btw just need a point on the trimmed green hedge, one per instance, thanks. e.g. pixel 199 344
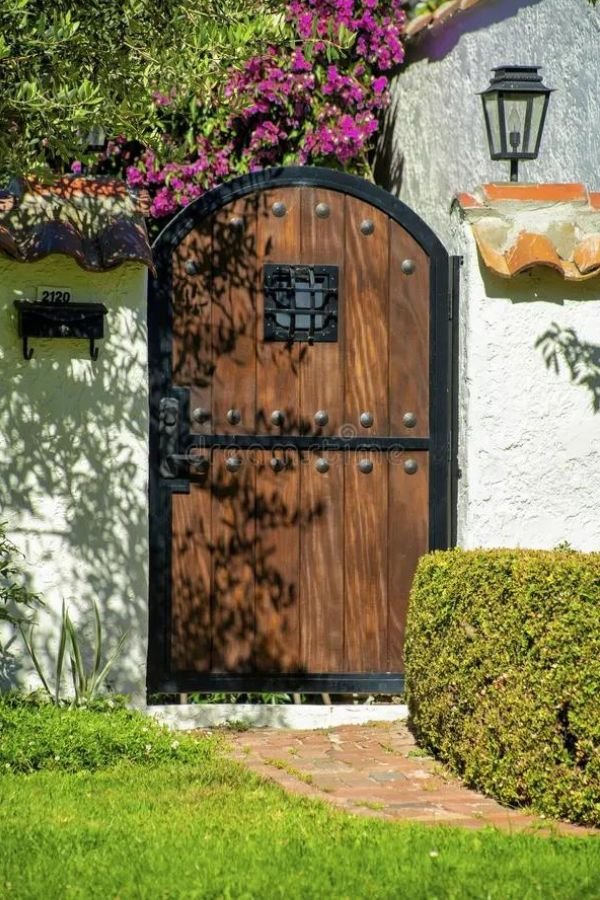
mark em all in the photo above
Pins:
pixel 503 674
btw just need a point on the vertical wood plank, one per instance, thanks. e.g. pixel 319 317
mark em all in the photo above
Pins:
pixel 191 307
pixel 277 642
pixel 233 538
pixel 277 386
pixel 366 546
pixel 365 316
pixel 322 364
pixel 191 579
pixel 409 539
pixel 321 563
pixel 234 315
pixel 409 335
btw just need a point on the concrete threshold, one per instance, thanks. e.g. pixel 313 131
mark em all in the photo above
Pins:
pixel 186 717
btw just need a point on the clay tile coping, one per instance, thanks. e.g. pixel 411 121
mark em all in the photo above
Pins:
pixel 116 231
pixel 427 21
pixel 594 199
pixel 538 193
pixel 532 247
pixel 71 187
pixel 469 201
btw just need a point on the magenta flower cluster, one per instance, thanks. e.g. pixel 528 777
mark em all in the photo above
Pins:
pixel 320 103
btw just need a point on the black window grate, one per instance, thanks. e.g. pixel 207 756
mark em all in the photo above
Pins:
pixel 301 302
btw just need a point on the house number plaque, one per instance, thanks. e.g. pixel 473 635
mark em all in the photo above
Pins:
pixel 47 294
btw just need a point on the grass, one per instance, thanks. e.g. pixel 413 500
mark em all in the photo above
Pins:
pixel 284 766
pixel 210 829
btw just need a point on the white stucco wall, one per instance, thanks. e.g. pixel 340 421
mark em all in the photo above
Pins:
pixel 529 437
pixel 74 462
pixel 434 143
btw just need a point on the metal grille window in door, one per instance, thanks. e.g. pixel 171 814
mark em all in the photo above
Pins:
pixel 301 303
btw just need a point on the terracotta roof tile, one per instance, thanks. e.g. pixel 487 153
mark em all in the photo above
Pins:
pixel 586 255
pixel 520 226
pixel 429 20
pixel 468 201
pixel 595 199
pixel 414 26
pixel 98 222
pixel 446 10
pixel 527 193
pixel 528 247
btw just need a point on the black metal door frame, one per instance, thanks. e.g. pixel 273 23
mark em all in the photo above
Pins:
pixel 441 444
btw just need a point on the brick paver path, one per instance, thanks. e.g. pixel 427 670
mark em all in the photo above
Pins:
pixel 376 770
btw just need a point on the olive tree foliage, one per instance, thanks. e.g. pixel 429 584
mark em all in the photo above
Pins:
pixel 67 67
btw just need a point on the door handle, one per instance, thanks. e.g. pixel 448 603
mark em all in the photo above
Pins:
pixel 168 427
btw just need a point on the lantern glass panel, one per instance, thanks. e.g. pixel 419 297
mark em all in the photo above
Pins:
pixel 517 119
pixel 492 117
pixel 539 105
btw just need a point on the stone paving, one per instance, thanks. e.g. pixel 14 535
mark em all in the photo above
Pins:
pixel 377 770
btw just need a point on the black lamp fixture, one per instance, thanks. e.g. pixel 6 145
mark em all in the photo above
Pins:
pixel 514 106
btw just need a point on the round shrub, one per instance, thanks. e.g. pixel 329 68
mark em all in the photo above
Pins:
pixel 503 674
pixel 37 736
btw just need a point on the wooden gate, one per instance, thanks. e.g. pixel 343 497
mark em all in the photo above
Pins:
pixel 300 434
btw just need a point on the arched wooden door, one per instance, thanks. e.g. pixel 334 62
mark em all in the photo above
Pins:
pixel 300 434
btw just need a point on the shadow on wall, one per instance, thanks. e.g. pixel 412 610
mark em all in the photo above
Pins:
pixel 388 168
pixel 73 437
pixel 557 343
pixel 581 358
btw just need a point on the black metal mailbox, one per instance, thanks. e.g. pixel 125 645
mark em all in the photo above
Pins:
pixel 70 320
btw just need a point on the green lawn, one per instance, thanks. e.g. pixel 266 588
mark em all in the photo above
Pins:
pixel 213 830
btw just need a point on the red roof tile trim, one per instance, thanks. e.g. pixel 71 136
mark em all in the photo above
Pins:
pixel 429 20
pixel 520 226
pixel 97 222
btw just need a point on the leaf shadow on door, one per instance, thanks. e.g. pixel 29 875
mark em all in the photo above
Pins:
pixel 218 350
pixel 236 588
pixel 235 603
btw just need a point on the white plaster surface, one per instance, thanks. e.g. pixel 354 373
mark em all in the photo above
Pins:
pixel 74 463
pixel 301 717
pixel 529 435
pixel 434 144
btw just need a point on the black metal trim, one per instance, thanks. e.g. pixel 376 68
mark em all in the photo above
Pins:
pixel 454 313
pixel 293 176
pixel 303 442
pixel 283 279
pixel 159 678
pixel 439 392
pixel 297 683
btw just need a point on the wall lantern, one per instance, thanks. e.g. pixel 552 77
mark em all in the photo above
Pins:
pixel 514 106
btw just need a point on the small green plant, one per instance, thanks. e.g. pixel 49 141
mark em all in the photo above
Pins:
pixel 565 547
pixel 418 753
pixel 272 699
pixel 375 805
pixel 15 597
pixel 284 766
pixel 36 735
pixel 86 684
